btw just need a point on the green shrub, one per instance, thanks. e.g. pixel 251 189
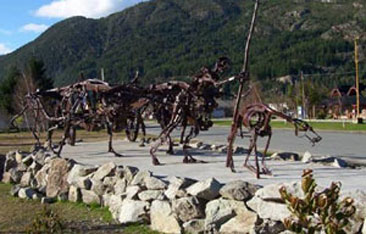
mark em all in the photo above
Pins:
pixel 47 221
pixel 317 211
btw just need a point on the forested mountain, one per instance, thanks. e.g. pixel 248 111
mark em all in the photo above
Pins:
pixel 170 38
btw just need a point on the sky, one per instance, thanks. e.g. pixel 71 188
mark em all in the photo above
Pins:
pixel 21 21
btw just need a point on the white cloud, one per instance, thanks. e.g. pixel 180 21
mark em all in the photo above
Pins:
pixel 4 49
pixel 37 28
pixel 87 8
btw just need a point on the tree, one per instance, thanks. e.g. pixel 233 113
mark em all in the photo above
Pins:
pixel 7 89
pixel 36 70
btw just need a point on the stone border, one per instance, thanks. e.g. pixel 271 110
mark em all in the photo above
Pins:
pixel 169 205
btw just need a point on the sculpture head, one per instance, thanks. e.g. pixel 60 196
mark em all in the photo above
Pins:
pixel 309 133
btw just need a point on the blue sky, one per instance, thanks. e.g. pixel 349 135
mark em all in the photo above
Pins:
pixel 21 21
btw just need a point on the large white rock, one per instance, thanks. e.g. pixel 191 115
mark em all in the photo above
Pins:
pixel 153 183
pixel 57 177
pixel 42 176
pixel 206 189
pixel 194 226
pixel 242 223
pixel 149 195
pixel 120 186
pixel 307 157
pixel 132 211
pixel 104 170
pixel 162 218
pixel 267 202
pixel 132 191
pixel 220 211
pixel 188 208
pixel 114 203
pixel 74 194
pixel 26 193
pixel 26 179
pixel 89 197
pixel 139 178
pixel 176 187
pixel 238 190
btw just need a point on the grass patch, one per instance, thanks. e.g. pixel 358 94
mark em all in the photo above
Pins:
pixel 18 215
pixel 330 126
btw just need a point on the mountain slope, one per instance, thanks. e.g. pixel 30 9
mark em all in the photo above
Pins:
pixel 164 38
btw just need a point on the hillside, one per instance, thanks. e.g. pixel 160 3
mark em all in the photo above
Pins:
pixel 165 38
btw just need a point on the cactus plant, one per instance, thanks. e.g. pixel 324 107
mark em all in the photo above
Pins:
pixel 317 211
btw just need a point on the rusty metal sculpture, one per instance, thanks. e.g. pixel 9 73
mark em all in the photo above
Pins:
pixel 256 118
pixel 188 105
pixel 85 104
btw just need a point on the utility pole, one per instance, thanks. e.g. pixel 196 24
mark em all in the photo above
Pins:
pixel 303 114
pixel 357 80
pixel 102 73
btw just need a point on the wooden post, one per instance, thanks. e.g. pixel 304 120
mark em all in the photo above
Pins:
pixel 245 70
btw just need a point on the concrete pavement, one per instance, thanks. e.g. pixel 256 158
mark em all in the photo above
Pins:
pixel 95 154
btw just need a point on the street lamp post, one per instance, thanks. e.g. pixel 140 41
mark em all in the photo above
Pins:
pixel 357 80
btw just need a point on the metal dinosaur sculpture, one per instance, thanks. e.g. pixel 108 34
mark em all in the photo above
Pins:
pixel 188 105
pixel 256 118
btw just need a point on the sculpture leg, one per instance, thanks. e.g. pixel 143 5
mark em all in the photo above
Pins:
pixel 188 158
pixel 170 145
pixel 64 137
pixel 265 170
pixel 256 161
pixel 161 139
pixel 110 147
pixel 49 137
pixel 143 129
pixel 253 142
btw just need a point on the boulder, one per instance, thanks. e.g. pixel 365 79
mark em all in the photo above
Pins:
pixel 120 186
pixel 132 211
pixel 104 170
pixel 149 195
pixel 268 204
pixel 110 181
pixel 26 193
pixel 84 183
pixel 307 157
pixel 176 187
pixel 268 226
pixel 132 191
pixel 206 189
pixel 34 167
pixel 10 161
pixel 90 197
pixel 205 147
pixel 74 194
pixel 153 183
pixel 28 160
pixel 139 178
pixel 285 156
pixel 238 190
pixel 40 156
pixel 220 211
pixel 26 179
pixel 114 203
pixel 163 219
pixel 15 190
pixel 242 223
pixel 19 156
pixel 194 226
pixel 188 208
pixel 57 177
pixel 358 218
pixel 42 176
pixel 339 163
pixel 98 187
pixel 16 175
pixel 6 178
pixel 128 173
